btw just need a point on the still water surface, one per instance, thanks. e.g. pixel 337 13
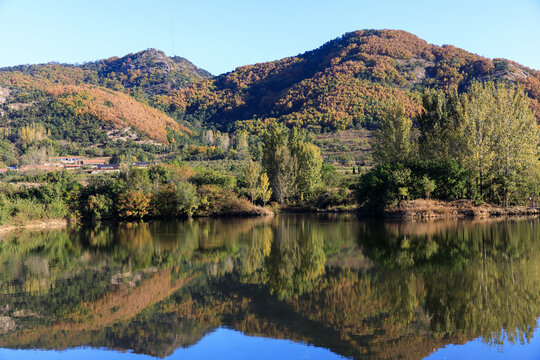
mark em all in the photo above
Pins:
pixel 289 287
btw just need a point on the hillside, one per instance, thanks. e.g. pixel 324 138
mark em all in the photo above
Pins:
pixel 74 111
pixel 345 83
pixel 148 97
pixel 82 103
pixel 149 72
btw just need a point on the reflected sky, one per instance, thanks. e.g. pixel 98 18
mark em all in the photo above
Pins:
pixel 220 344
pixel 478 350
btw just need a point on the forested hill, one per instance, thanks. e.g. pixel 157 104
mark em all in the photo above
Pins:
pixel 150 72
pixel 346 82
pixel 81 103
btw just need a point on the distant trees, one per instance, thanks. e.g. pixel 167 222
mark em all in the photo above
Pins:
pixel 242 145
pixel 32 134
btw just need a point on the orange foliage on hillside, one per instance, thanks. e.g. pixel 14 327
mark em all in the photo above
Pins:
pixel 17 79
pixel 113 107
pixel 531 85
pixel 346 82
pixel 124 303
pixel 41 76
pixel 117 109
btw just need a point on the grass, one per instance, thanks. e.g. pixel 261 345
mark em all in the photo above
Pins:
pixel 345 148
pixel 21 211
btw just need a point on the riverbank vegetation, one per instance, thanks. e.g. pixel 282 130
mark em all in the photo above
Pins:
pixel 288 170
pixel 481 144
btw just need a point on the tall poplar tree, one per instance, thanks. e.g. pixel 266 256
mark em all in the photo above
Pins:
pixel 392 141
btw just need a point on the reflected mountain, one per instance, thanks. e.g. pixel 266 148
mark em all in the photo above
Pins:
pixel 362 289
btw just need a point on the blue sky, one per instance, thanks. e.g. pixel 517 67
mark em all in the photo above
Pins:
pixel 219 35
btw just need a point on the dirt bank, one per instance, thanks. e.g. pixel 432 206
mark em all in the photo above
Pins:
pixel 35 225
pixel 434 209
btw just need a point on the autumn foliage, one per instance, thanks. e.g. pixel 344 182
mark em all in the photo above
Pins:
pixel 346 82
pixel 116 109
pixel 133 205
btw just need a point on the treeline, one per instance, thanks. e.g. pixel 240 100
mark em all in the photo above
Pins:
pixel 288 170
pixel 346 83
pixel 481 144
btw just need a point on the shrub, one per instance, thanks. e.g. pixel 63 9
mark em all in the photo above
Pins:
pixel 99 207
pixel 217 200
pixel 4 211
pixel 211 177
pixel 133 205
pixel 57 208
pixel 165 201
pixel 186 197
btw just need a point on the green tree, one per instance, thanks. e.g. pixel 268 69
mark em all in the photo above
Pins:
pixel 252 173
pixel 242 145
pixel 478 134
pixel 165 201
pixel 309 169
pixel 516 145
pixel 427 186
pixel 284 186
pixel 500 140
pixel 99 207
pixel 491 131
pixel 273 139
pixel 392 141
pixel 293 164
pixel 186 198
pixel 439 125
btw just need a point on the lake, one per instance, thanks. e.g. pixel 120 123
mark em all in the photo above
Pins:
pixel 288 287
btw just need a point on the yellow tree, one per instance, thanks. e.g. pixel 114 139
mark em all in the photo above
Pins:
pixel 265 192
pixel 252 173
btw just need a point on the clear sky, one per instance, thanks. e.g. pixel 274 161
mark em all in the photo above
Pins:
pixel 219 35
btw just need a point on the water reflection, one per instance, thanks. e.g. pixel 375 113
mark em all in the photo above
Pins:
pixel 362 289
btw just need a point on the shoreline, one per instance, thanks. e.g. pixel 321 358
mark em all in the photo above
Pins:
pixel 458 209
pixel 416 210
pixel 427 210
pixel 35 225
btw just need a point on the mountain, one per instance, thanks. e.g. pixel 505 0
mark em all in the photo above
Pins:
pixel 345 83
pixel 81 103
pixel 151 71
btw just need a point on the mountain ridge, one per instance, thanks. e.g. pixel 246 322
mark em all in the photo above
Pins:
pixel 345 83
